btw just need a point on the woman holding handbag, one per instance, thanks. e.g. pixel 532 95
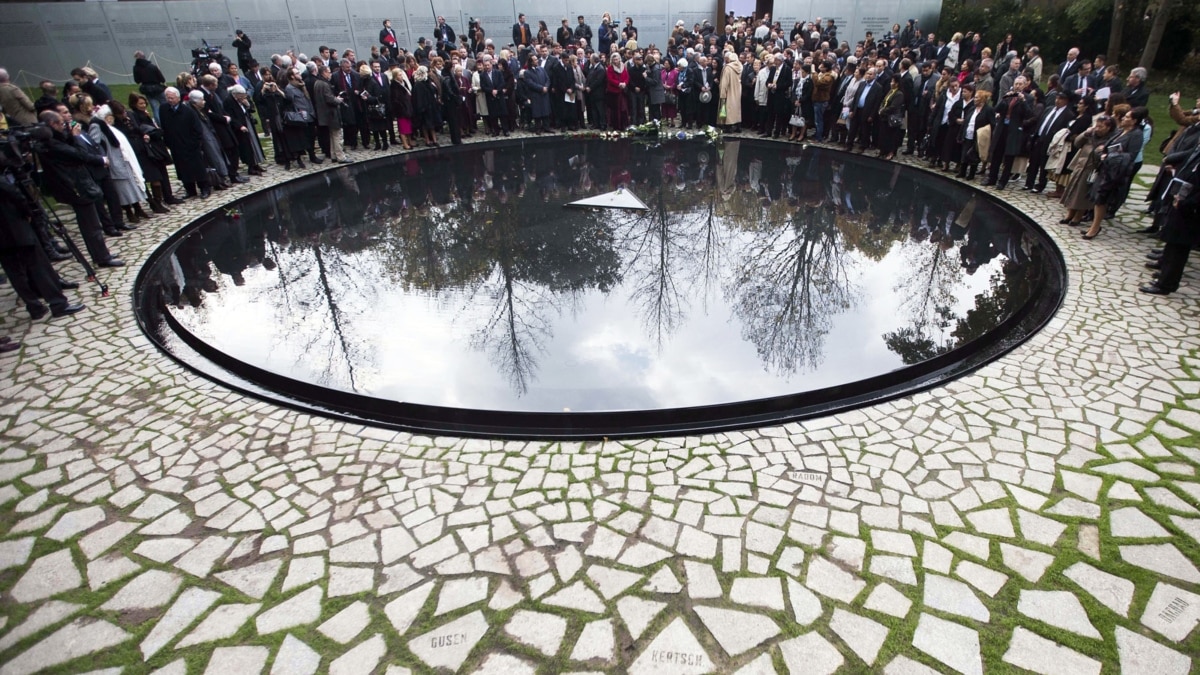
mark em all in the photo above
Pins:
pixel 298 120
pixel 670 79
pixel 730 111
pixel 140 122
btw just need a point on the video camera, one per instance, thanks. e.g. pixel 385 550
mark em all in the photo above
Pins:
pixel 205 55
pixel 17 145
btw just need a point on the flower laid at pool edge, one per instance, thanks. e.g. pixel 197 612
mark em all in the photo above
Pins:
pixel 654 129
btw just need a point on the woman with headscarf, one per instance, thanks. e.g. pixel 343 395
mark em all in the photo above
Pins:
pixel 123 164
pixel 400 94
pixel 731 92
pixel 614 94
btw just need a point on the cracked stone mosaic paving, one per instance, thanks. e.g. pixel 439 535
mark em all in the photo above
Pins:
pixel 1036 515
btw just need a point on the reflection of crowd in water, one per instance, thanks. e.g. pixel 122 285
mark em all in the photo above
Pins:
pixel 772 217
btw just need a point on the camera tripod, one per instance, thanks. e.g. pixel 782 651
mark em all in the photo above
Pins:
pixel 42 217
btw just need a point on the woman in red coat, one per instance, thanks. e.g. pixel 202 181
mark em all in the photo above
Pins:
pixel 614 94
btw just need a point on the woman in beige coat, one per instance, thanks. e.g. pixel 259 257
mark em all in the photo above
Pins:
pixel 1090 145
pixel 731 92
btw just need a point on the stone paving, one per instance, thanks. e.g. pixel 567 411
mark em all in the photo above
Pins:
pixel 1037 515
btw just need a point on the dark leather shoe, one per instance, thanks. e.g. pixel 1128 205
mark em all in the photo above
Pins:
pixel 111 262
pixel 1156 265
pixel 37 311
pixel 1156 252
pixel 9 347
pixel 55 256
pixel 241 179
pixel 68 285
pixel 127 227
pixel 68 310
pixel 1154 289
pixel 316 160
pixel 1153 229
pixel 112 232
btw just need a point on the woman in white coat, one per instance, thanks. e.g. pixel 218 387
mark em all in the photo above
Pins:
pixel 123 164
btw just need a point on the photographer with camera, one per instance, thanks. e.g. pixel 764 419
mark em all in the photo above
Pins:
pixel 28 269
pixel 67 177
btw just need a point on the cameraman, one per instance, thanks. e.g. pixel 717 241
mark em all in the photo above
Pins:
pixel 68 179
pixel 27 267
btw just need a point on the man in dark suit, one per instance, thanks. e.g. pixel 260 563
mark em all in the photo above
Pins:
pixel 1082 83
pixel 68 177
pixel 1008 135
pixel 1053 119
pixel 864 111
pixel 595 80
pixel 1070 66
pixel 703 79
pixel 443 35
pixel 522 34
pixel 346 83
pixel 779 97
pixel 637 89
pixel 387 36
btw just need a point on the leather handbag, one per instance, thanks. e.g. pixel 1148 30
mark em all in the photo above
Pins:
pixel 296 117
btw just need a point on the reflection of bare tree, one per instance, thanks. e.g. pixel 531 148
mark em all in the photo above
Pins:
pixel 517 326
pixel 533 265
pixel 672 249
pixel 927 292
pixel 317 293
pixel 654 241
pixel 790 283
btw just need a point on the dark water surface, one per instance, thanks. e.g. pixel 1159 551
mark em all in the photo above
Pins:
pixel 459 279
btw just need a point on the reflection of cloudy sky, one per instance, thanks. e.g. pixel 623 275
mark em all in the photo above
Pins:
pixel 600 355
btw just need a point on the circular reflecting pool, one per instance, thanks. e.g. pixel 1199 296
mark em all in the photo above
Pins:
pixel 457 291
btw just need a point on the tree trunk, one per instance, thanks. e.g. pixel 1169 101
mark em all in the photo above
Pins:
pixel 1161 18
pixel 1114 34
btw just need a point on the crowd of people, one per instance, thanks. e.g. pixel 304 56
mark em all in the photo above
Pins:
pixel 1000 113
